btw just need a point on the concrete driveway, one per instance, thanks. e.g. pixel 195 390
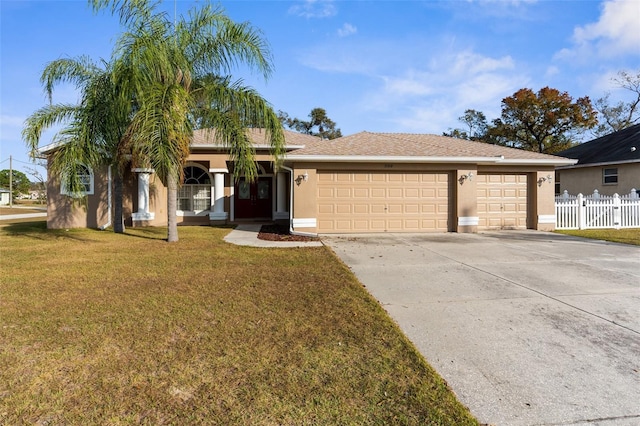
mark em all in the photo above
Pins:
pixel 528 328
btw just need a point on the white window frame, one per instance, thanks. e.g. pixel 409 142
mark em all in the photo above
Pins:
pixel 193 196
pixel 613 173
pixel 91 184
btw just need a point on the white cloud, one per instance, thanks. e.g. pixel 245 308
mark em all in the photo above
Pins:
pixel 432 99
pixel 314 9
pixel 616 33
pixel 551 71
pixel 346 30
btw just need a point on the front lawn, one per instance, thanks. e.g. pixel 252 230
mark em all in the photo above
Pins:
pixel 98 328
pixel 626 236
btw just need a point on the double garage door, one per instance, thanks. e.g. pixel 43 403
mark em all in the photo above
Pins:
pixel 372 201
pixel 383 202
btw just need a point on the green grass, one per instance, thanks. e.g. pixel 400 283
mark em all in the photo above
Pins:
pixel 98 328
pixel 626 236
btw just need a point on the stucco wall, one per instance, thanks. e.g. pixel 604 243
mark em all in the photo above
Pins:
pixel 89 212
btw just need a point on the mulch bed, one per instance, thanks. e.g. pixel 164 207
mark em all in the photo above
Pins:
pixel 276 232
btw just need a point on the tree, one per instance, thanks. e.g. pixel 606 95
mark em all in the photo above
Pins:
pixel 19 181
pixel 40 184
pixel 476 122
pixel 318 125
pixel 545 122
pixel 621 115
pixel 178 76
pixel 93 130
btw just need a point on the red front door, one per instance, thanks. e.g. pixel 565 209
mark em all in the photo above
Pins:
pixel 253 199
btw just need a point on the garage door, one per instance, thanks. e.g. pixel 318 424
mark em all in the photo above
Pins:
pixel 382 202
pixel 502 201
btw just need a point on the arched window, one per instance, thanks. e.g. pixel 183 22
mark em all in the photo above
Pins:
pixel 85 179
pixel 195 193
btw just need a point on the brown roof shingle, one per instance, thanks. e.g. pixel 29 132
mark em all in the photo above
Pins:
pixel 258 136
pixel 412 145
pixel 367 146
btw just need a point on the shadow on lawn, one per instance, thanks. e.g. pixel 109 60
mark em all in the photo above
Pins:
pixel 38 230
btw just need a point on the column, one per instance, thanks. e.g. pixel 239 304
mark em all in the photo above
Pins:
pixel 282 212
pixel 143 213
pixel 218 213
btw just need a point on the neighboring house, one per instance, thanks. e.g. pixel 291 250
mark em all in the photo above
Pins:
pixel 4 197
pixel 609 164
pixel 367 182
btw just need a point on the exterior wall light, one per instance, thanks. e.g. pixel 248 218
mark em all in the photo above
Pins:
pixel 549 178
pixel 302 178
pixel 468 176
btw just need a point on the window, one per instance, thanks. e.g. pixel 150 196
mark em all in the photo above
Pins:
pixel 84 176
pixel 610 176
pixel 195 193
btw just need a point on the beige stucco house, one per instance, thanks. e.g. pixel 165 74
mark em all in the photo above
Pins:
pixel 609 164
pixel 367 182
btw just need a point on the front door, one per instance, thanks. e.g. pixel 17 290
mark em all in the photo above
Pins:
pixel 253 199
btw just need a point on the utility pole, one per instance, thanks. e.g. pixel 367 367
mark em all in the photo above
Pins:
pixel 10 181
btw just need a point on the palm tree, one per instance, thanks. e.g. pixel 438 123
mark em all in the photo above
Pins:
pixel 93 129
pixel 178 74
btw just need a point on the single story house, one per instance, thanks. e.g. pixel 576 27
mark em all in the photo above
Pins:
pixel 609 164
pixel 363 183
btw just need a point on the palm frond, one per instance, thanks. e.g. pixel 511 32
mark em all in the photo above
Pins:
pixel 42 119
pixel 68 70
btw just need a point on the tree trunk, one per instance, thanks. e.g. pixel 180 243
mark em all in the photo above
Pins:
pixel 172 204
pixel 118 220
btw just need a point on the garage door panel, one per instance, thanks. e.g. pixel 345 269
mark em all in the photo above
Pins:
pixel 412 193
pixel 326 192
pixel 360 193
pixel 395 202
pixel 361 208
pixel 343 193
pixel 411 208
pixel 394 192
pixel 343 209
pixel 378 208
pixel 378 193
pixel 502 201
pixel 326 209
pixel 395 208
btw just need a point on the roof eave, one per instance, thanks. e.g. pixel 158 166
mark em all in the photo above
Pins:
pixel 607 163
pixel 419 159
pixel 48 148
pixel 538 161
pixel 205 146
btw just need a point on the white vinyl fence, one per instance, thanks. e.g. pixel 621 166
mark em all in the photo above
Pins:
pixel 597 211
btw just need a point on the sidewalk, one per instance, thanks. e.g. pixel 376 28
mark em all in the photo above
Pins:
pixel 247 235
pixel 22 216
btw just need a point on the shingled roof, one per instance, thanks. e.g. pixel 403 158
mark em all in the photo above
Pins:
pixel 205 138
pixel 406 147
pixel 619 147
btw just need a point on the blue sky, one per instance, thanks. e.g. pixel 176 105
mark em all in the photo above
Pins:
pixel 381 66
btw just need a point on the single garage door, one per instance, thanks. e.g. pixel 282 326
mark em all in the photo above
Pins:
pixel 502 201
pixel 350 202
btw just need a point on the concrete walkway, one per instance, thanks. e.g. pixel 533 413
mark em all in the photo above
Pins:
pixel 247 235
